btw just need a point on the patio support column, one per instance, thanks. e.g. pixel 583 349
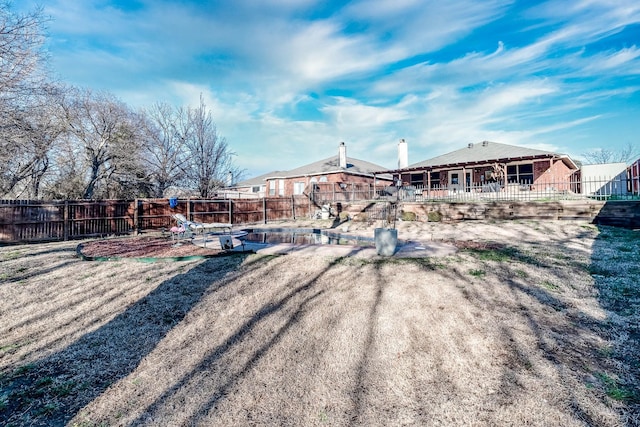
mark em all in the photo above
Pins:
pixel 464 179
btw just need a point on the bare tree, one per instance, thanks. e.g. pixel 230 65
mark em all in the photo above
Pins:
pixel 626 154
pixel 210 159
pixel 27 131
pixel 165 153
pixel 106 134
pixel 21 52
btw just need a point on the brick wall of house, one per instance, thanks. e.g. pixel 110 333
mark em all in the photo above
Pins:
pixel 333 178
pixel 556 175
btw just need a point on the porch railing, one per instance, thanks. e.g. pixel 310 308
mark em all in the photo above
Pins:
pixel 619 188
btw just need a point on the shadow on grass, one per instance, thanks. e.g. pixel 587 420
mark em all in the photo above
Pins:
pixel 615 267
pixel 359 393
pixel 610 372
pixel 21 263
pixel 51 391
pixel 291 307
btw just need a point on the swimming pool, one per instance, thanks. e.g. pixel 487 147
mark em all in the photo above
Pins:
pixel 303 236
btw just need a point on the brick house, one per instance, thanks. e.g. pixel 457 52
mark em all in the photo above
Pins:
pixel 336 174
pixel 487 164
pixel 250 188
pixel 634 174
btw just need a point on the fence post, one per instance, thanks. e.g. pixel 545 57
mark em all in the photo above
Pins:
pixel 230 211
pixel 189 209
pixel 293 207
pixel 136 215
pixel 65 220
pixel 264 209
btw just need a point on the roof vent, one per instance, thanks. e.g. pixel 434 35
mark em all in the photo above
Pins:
pixel 470 145
pixel 485 143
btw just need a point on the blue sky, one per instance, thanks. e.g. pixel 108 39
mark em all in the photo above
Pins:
pixel 287 80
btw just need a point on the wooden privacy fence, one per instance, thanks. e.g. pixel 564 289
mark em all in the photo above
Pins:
pixel 30 221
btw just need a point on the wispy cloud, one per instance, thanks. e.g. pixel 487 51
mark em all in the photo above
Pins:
pixel 285 74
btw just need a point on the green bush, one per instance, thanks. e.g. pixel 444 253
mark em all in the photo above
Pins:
pixel 434 216
pixel 408 216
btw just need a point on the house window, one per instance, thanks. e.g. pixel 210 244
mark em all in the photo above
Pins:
pixel 435 179
pixel 522 174
pixel 417 179
pixel 298 188
pixel 281 187
pixel 272 188
pixel 525 173
pixel 323 179
pixel 255 189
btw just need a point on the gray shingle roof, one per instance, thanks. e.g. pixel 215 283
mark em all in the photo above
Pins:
pixel 258 180
pixel 484 152
pixel 332 165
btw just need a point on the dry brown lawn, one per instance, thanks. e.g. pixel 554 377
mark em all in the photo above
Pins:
pixel 529 323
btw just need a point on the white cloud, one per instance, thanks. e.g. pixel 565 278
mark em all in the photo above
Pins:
pixel 373 71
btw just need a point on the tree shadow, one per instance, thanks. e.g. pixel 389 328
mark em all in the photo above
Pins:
pixel 53 389
pixel 615 268
pixel 570 338
pixel 290 307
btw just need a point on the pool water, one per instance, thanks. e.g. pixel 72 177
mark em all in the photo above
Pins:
pixel 304 237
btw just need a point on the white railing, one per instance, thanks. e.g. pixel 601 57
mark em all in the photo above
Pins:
pixel 593 188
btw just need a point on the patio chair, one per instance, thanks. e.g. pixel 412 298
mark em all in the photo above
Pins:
pixel 200 227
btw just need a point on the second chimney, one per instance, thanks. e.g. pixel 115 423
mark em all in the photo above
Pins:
pixel 403 154
pixel 342 155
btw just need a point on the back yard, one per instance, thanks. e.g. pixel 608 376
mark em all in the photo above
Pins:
pixel 528 323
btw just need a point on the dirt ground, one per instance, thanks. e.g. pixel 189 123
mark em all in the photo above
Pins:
pixel 525 323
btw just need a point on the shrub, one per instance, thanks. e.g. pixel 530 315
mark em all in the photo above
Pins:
pixel 434 216
pixel 408 216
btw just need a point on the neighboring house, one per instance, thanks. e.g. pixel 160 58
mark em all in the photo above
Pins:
pixel 340 173
pixel 485 166
pixel 253 187
pixel 634 174
pixel 604 179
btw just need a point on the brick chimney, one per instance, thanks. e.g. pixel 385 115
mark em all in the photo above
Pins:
pixel 342 155
pixel 403 154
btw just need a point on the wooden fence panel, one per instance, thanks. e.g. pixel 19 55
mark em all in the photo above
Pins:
pixel 247 211
pixel 27 220
pixel 301 207
pixel 278 209
pixel 88 218
pixel 211 211
pixel 154 214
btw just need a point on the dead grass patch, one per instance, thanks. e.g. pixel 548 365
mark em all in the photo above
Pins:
pixel 517 328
